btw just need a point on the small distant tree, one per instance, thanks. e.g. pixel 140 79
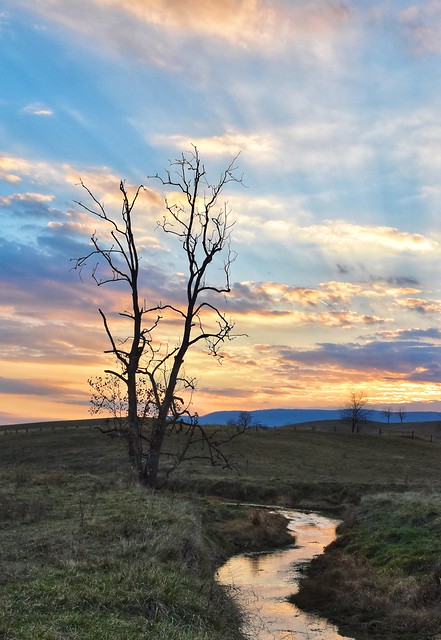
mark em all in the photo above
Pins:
pixel 387 413
pixel 401 413
pixel 244 422
pixel 151 373
pixel 355 410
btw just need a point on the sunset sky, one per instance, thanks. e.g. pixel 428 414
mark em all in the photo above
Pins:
pixel 335 108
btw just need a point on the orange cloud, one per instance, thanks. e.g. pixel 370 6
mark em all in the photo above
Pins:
pixel 421 305
pixel 241 22
pixel 230 143
pixel 157 32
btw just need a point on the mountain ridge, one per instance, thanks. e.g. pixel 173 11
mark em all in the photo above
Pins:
pixel 281 417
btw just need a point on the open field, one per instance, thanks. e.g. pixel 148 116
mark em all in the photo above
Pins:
pixel 297 467
pixel 306 468
pixel 86 555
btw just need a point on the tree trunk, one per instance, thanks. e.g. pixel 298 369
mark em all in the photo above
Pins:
pixel 134 442
pixel 151 468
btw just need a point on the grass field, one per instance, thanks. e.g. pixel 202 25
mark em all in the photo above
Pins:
pixel 85 554
pixel 295 467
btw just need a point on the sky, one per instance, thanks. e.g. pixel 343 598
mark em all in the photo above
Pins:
pixel 334 108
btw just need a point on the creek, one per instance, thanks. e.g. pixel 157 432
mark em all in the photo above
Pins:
pixel 261 583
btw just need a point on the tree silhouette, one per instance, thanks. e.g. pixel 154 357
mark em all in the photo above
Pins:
pixel 387 413
pixel 202 228
pixel 355 409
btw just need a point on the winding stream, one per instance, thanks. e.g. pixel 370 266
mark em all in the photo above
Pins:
pixel 262 582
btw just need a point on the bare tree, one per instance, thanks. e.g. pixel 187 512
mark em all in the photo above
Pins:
pixel 401 413
pixel 244 422
pixel 387 413
pixel 355 409
pixel 202 228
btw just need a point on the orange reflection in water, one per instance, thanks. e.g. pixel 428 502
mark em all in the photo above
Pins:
pixel 262 581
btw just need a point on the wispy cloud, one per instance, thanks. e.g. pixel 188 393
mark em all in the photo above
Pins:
pixel 342 236
pixel 38 109
pixel 318 147
pixel 310 31
pixel 422 25
pixel 28 387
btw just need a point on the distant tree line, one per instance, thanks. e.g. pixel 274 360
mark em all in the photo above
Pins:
pixel 356 410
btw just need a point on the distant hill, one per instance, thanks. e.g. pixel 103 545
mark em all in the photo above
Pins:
pixel 281 417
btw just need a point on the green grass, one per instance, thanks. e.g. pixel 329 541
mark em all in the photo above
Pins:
pixel 85 554
pixel 85 559
pixel 306 469
pixel 315 469
pixel 382 577
pixel 396 532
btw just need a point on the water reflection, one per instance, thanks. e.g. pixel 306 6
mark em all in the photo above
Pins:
pixel 262 582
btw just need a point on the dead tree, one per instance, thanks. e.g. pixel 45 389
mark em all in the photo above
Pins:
pixel 355 409
pixel 387 413
pixel 202 227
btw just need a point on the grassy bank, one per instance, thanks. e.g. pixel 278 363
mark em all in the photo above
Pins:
pixel 82 559
pixel 85 555
pixel 382 577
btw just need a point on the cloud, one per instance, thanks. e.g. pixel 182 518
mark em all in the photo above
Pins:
pixel 28 387
pixel 325 306
pixel 326 144
pixel 411 360
pixel 421 305
pixel 34 205
pixel 336 295
pixel 230 144
pixel 159 32
pixel 431 333
pixel 38 109
pixel 344 236
pixel 103 182
pixel 421 24
pixel 249 22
